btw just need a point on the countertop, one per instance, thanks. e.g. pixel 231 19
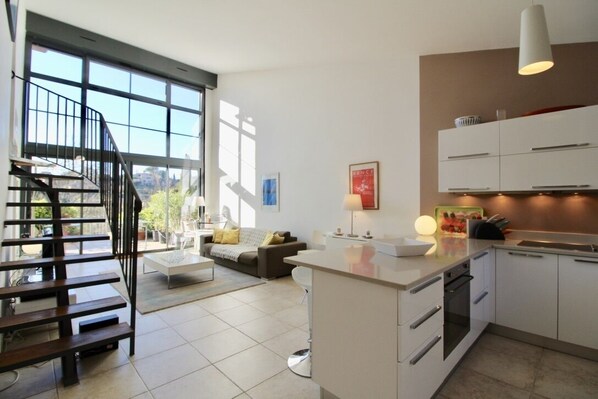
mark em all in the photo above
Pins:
pixel 363 262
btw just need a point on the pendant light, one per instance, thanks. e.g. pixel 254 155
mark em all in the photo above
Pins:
pixel 535 55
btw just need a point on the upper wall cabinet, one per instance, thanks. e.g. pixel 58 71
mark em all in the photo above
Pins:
pixel 468 159
pixel 468 142
pixel 552 151
pixel 564 130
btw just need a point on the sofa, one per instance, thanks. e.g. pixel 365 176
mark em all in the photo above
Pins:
pixel 250 255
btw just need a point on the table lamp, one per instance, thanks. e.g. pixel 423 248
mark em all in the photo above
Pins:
pixel 352 202
pixel 199 202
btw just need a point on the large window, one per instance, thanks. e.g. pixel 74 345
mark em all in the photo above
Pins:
pixel 157 123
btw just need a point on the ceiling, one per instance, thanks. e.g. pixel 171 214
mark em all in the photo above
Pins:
pixel 226 36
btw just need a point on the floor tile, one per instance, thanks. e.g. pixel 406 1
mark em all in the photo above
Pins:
pixel 271 305
pixel 252 366
pixel 288 343
pixel 219 303
pixel 155 342
pixel 119 383
pixel 148 323
pixel 472 385
pixel 199 328
pixel 167 366
pixel 182 313
pixel 286 385
pixel 223 344
pixel 565 376
pixel 264 328
pixel 295 316
pixel 207 383
pixel 103 361
pixel 250 294
pixel 516 371
pixel 509 347
pixel 240 314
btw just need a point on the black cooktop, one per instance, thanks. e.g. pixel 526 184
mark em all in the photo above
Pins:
pixel 559 245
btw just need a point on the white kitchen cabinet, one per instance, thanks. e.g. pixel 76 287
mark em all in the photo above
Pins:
pixel 527 291
pixel 481 292
pixel 578 300
pixel 469 142
pixel 468 159
pixel 469 175
pixel 574 128
pixel 357 339
pixel 554 170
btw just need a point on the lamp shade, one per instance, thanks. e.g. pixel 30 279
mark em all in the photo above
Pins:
pixel 352 202
pixel 535 54
pixel 199 201
pixel 425 225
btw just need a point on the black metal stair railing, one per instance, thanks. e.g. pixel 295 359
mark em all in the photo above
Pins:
pixel 76 137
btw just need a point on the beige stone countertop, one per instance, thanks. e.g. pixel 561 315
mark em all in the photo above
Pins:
pixel 363 262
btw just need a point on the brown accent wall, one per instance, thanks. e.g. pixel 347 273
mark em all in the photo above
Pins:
pixel 479 83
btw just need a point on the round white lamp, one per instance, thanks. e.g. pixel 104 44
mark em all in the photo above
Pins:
pixel 425 225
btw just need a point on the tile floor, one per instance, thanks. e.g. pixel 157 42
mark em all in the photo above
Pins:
pixel 236 345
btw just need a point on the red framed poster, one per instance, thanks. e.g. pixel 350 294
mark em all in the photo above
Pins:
pixel 363 180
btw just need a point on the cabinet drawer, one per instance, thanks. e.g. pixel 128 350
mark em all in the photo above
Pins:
pixel 551 131
pixel 555 170
pixel 414 333
pixel 422 372
pixel 469 142
pixel 419 299
pixel 478 272
pixel 473 175
pixel 480 311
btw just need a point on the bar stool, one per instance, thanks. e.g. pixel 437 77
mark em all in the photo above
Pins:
pixel 300 361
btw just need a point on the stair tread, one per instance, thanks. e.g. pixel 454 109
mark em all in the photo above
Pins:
pixel 43 287
pixel 58 313
pixel 63 260
pixel 51 221
pixel 21 357
pixel 49 204
pixel 44 175
pixel 45 240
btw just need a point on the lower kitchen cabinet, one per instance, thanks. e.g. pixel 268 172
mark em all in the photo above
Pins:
pixel 527 291
pixel 578 300
pixel 361 349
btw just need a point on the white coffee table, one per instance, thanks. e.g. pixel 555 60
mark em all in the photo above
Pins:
pixel 170 263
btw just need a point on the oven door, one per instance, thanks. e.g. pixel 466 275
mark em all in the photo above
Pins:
pixel 456 312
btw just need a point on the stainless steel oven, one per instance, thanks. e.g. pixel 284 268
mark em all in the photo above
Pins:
pixel 456 306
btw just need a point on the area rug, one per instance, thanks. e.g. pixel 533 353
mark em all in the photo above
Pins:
pixel 153 293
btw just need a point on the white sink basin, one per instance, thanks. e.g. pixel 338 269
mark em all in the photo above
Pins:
pixel 401 246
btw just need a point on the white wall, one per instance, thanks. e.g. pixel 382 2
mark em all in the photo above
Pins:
pixel 309 124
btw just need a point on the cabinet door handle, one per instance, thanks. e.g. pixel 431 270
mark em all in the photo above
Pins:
pixel 423 352
pixel 425 285
pixel 468 188
pixel 425 317
pixel 586 261
pixel 479 299
pixel 528 255
pixel 480 256
pixel 562 186
pixel 479 154
pixel 556 147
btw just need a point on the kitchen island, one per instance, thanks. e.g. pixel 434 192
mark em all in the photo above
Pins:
pixel 377 326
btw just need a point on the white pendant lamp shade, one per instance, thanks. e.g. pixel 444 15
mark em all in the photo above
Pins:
pixel 535 55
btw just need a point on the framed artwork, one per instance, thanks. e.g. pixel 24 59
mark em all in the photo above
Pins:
pixel 363 180
pixel 453 219
pixel 12 7
pixel 271 192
